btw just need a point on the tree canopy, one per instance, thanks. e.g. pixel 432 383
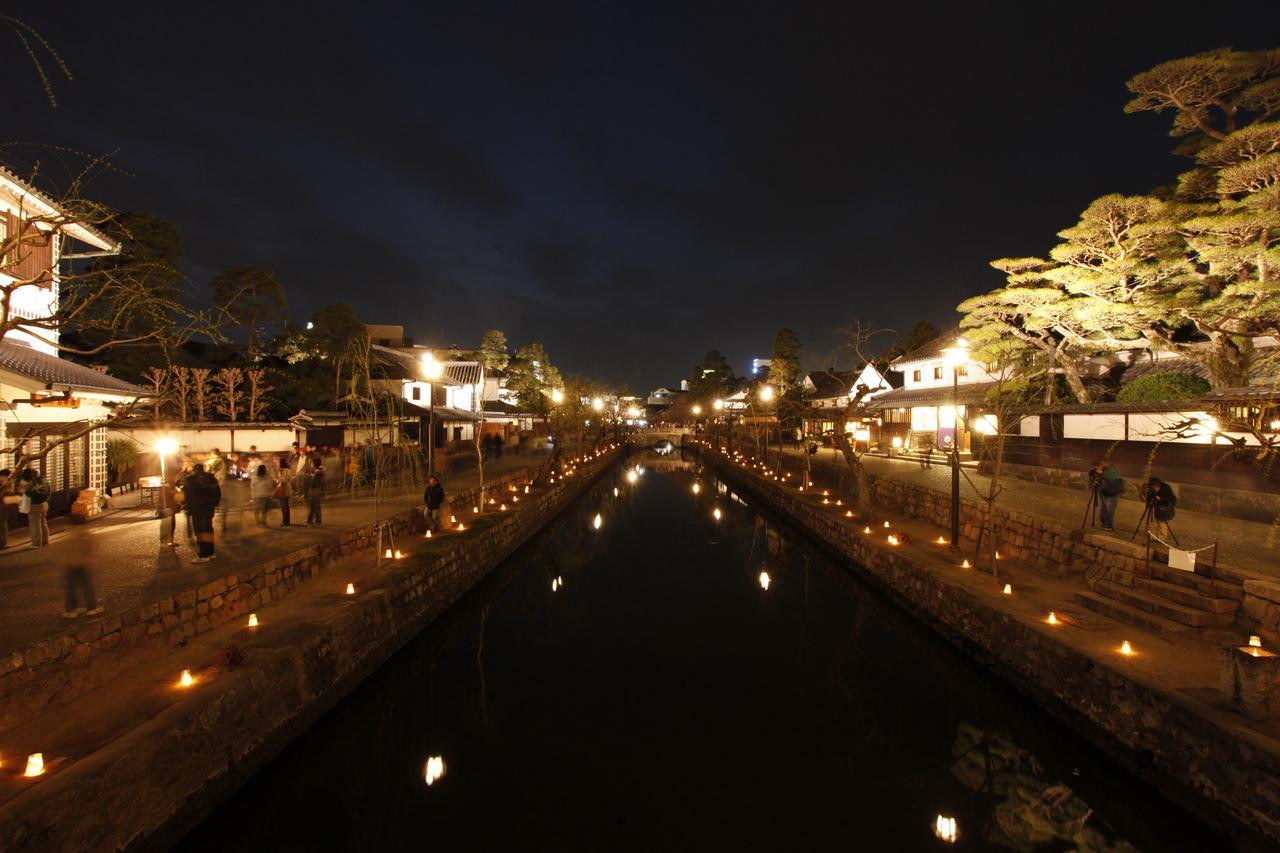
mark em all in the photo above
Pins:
pixel 1189 268
pixel 252 297
pixel 493 350
pixel 787 367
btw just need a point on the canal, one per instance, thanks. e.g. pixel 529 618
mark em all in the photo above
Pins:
pixel 641 685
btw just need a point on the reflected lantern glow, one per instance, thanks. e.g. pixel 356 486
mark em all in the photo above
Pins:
pixel 434 770
pixel 945 829
pixel 765 580
pixel 597 521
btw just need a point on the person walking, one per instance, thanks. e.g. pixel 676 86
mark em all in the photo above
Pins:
pixel 315 493
pixel 77 579
pixel 284 490
pixel 433 497
pixel 36 491
pixel 262 489
pixel 203 497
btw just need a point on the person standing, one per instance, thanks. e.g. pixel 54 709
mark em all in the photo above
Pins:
pixel 36 491
pixel 315 493
pixel 262 490
pixel 4 512
pixel 284 490
pixel 203 497
pixel 1163 504
pixel 433 497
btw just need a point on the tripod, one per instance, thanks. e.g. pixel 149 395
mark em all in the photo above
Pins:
pixel 1147 514
pixel 1091 508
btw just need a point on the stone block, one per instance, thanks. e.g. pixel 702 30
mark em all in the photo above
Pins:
pixel 1250 680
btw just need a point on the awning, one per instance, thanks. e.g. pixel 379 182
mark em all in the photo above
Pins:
pixel 969 394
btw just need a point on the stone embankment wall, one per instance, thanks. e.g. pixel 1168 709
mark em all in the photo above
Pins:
pixel 51 671
pixel 1188 755
pixel 1062 550
pixel 149 787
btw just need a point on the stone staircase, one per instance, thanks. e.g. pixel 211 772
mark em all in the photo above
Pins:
pixel 1170 603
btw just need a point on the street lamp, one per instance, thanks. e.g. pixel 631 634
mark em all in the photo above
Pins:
pixel 165 446
pixel 431 369
pixel 557 396
pixel 766 396
pixel 597 404
pixel 956 356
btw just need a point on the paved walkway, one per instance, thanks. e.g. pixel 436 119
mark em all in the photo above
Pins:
pixel 1246 545
pixel 130 567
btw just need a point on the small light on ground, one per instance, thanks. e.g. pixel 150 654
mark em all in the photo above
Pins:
pixel 764 580
pixel 427 535
pixel 597 521
pixel 1008 589
pixel 253 620
pixel 387 555
pixel 716 513
pixel 351 589
pixel 965 565
pixel 1255 641
pixel 35 764
pixel 1053 618
pixel 186 679
pixel 866 529
pixel 893 540
pixel 697 487
pixel 942 540
pixel 945 829
pixel 1125 648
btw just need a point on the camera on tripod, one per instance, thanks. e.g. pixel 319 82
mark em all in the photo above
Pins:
pixel 1147 493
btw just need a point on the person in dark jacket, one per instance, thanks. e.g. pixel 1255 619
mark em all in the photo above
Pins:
pixel 202 497
pixel 36 489
pixel 315 492
pixel 433 497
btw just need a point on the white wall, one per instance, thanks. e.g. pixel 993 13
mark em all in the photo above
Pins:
pixel 274 438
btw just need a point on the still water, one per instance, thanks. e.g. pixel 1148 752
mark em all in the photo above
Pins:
pixel 636 687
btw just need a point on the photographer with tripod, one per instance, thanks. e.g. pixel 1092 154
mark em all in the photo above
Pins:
pixel 1105 487
pixel 1161 505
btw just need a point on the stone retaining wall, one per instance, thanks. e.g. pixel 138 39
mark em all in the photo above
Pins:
pixel 51 671
pixel 1233 772
pixel 151 786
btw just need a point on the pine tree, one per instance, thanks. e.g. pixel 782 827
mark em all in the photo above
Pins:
pixel 785 371
pixel 493 350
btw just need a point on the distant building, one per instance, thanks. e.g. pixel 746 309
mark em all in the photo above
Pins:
pixel 760 366
pixel 384 335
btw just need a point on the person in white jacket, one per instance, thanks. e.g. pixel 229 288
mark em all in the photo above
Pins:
pixel 262 489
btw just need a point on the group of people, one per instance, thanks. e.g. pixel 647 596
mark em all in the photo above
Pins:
pixel 32 498
pixel 1108 486
pixel 202 488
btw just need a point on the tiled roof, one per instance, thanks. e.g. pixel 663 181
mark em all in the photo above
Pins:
pixel 407 364
pixel 51 370
pixel 968 394
pixel 933 349
pixel 831 383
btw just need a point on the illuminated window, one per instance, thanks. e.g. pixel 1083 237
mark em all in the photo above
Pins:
pixel 915 376
pixel 962 370
pixel 937 372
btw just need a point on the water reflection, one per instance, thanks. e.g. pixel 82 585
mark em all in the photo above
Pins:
pixel 667 681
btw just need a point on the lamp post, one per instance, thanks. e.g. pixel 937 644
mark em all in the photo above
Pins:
pixel 766 396
pixel 718 405
pixel 165 446
pixel 431 369
pixel 696 410
pixel 956 356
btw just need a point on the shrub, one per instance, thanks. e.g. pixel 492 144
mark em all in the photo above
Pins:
pixel 1158 387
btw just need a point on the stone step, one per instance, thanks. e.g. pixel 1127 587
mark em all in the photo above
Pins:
pixel 1132 616
pixel 1187 596
pixel 1136 598
pixel 1219 588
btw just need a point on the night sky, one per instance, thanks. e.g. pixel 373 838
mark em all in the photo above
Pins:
pixel 631 185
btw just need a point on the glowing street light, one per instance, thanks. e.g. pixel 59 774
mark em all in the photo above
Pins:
pixel 697 410
pixel 431 370
pixel 766 393
pixel 718 405
pixel 597 404
pixel 557 396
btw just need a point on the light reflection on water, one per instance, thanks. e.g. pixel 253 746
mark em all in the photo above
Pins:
pixel 667 680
